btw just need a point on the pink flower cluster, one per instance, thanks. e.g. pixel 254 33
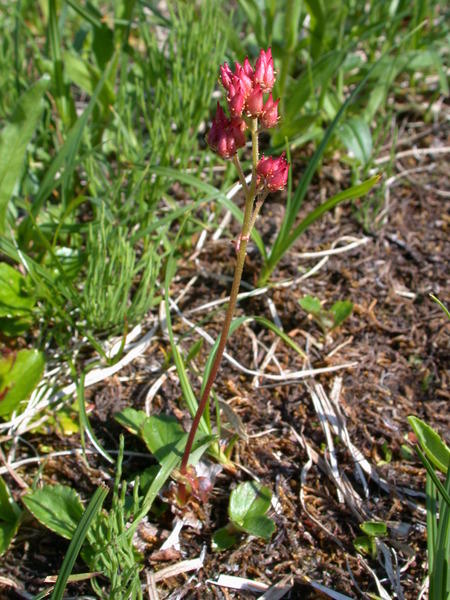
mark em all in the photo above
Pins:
pixel 245 88
pixel 272 172
pixel 226 135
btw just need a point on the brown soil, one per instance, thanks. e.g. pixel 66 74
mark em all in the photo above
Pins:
pixel 398 338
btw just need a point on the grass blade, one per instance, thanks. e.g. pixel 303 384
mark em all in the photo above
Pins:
pixel 439 577
pixel 61 93
pixel 14 140
pixel 90 513
pixel 85 424
pixel 68 152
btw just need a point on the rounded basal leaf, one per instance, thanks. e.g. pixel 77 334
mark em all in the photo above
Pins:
pixel 223 539
pixel 260 526
pixel 249 499
pixel 19 375
pixel 57 507
pixel 161 434
pixel 131 419
pixel 431 443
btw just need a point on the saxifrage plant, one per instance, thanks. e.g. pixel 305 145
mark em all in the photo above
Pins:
pixel 251 109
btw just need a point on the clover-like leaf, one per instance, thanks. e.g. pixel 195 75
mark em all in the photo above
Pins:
pixel 57 507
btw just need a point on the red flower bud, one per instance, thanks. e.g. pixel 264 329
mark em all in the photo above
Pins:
pixel 254 102
pixel 236 97
pixel 272 172
pixel 248 68
pixel 245 79
pixel 226 75
pixel 264 72
pixel 226 135
pixel 269 116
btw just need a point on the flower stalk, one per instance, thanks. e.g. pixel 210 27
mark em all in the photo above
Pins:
pixel 245 88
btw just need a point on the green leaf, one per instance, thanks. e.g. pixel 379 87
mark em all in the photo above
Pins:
pixel 169 463
pixel 161 433
pixel 7 532
pixel 365 545
pixel 14 139
pixel 16 302
pixel 356 136
pixel 19 375
pixel 432 474
pixel 89 515
pixel 311 304
pixel 341 310
pixel 310 80
pixel 57 507
pixel 374 528
pixel 248 499
pixel 9 510
pixel 253 13
pixel 131 419
pixel 407 453
pixel 260 526
pixel 439 567
pixel 223 539
pixel 10 514
pixel 442 305
pixel 146 478
pixel 433 446
pixel 87 77
pixel 14 296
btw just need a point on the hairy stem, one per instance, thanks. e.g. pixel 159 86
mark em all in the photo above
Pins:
pixel 240 260
pixel 237 164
